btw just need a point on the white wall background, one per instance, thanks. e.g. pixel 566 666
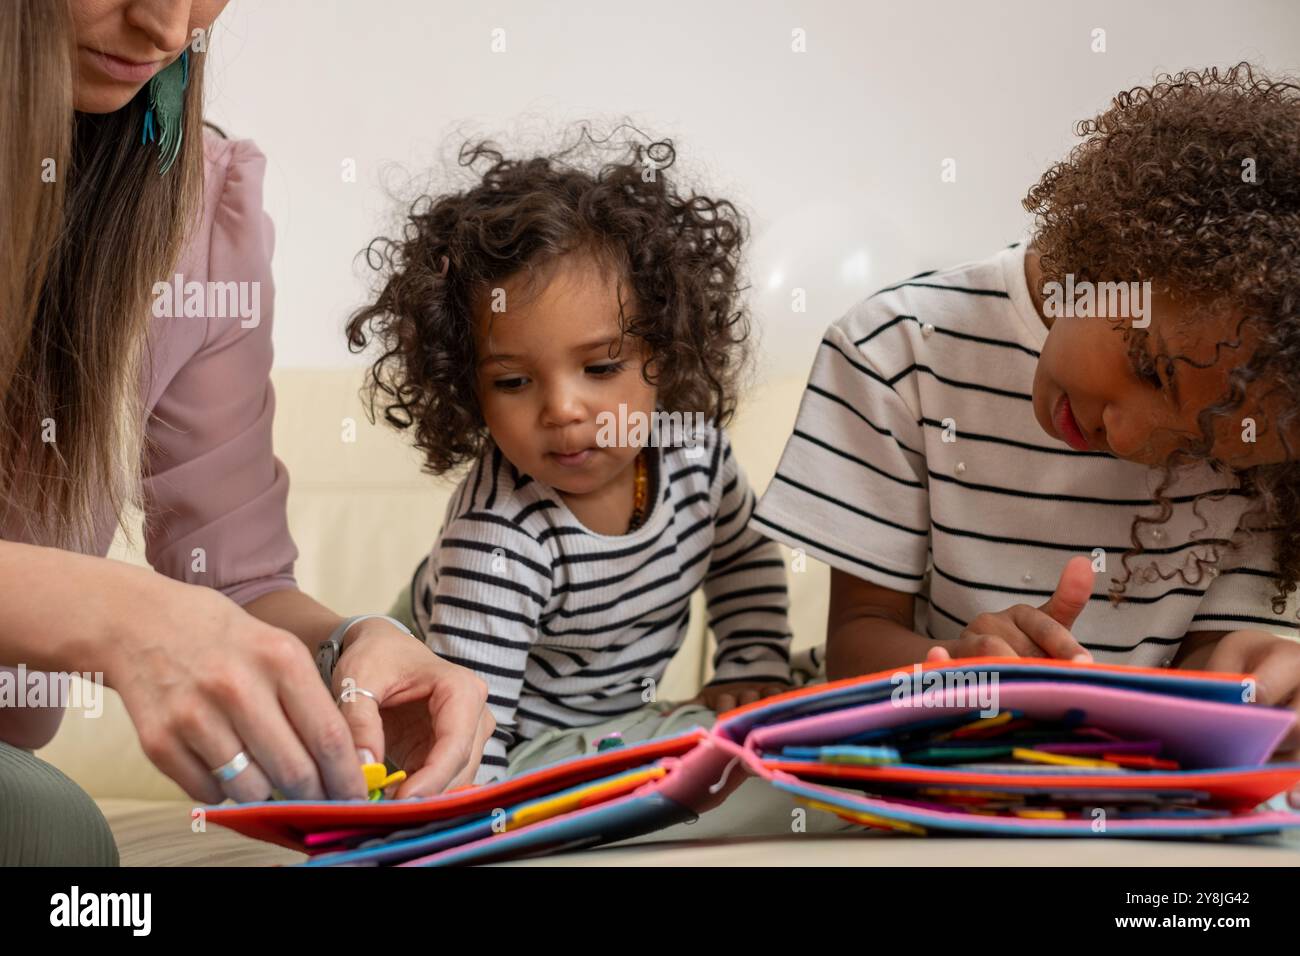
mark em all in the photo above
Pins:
pixel 834 153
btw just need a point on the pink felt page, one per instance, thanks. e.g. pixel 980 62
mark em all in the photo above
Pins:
pixel 708 774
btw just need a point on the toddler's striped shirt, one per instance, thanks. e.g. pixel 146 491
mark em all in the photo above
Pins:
pixel 569 627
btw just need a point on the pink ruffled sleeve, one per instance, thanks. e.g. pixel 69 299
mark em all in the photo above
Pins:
pixel 215 491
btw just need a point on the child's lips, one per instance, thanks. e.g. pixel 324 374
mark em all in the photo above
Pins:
pixel 573 459
pixel 1067 426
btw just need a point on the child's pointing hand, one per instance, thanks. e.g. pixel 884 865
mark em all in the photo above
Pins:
pixel 1024 631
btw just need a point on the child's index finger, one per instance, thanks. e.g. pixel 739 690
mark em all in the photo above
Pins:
pixel 1072 592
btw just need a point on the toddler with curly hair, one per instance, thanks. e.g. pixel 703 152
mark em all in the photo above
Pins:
pixel 573 332
pixel 1084 446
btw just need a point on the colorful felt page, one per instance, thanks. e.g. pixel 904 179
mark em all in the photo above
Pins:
pixel 529 815
pixel 1199 718
pixel 919 821
pixel 641 812
pixel 837 695
pixel 1242 788
pixel 288 822
pixel 1196 732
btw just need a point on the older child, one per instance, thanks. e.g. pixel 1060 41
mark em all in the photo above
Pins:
pixel 966 432
pixel 540 325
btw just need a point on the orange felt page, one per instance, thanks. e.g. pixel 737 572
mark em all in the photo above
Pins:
pixel 286 822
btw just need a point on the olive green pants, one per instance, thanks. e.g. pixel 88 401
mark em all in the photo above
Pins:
pixel 46 819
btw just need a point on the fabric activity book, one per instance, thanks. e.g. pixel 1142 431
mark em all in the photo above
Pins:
pixel 982 746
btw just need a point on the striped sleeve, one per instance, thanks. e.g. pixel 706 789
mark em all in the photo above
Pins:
pixel 851 488
pixel 478 603
pixel 1241 595
pixel 745 587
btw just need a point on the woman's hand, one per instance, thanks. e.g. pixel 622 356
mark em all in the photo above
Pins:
pixel 203 680
pixel 1025 631
pixel 430 717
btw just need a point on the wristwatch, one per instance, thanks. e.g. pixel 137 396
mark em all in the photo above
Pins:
pixel 330 650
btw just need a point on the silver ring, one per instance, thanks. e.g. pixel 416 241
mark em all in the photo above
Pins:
pixel 233 768
pixel 356 690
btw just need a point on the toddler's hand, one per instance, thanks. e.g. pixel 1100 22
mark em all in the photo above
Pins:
pixel 1024 631
pixel 722 697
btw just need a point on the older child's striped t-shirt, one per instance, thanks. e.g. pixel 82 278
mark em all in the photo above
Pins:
pixel 917 464
pixel 569 627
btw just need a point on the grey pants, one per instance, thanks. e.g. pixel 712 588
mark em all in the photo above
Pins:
pixel 46 819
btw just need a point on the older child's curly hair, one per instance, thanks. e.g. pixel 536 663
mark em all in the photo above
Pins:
pixel 1194 184
pixel 679 255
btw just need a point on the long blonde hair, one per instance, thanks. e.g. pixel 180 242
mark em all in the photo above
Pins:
pixel 87 226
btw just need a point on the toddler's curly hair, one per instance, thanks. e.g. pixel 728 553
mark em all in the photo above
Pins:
pixel 1194 183
pixel 678 254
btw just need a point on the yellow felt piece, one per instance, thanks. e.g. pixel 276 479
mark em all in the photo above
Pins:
pixel 378 777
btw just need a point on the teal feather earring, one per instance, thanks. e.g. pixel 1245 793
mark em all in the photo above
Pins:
pixel 162 121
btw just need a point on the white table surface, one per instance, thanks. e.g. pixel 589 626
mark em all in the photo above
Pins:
pixel 872 849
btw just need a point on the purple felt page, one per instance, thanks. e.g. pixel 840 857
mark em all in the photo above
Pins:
pixel 1197 733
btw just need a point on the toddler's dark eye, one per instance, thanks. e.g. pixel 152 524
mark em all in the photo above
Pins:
pixel 509 384
pixel 610 368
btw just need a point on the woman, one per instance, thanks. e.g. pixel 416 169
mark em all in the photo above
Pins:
pixel 113 397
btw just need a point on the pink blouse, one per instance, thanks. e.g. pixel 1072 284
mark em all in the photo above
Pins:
pixel 211 479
